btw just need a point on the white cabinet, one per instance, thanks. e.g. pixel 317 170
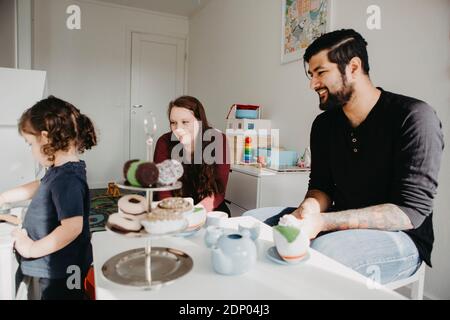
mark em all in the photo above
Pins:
pixel 250 188
pixel 242 189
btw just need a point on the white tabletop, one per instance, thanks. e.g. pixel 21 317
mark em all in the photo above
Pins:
pixel 317 278
pixel 6 241
pixel 8 263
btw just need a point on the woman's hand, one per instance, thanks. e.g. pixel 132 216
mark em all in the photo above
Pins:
pixel 183 136
pixel 22 242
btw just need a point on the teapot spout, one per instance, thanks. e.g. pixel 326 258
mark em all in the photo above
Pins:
pixel 221 262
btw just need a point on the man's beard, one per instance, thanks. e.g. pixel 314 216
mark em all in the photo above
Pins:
pixel 338 99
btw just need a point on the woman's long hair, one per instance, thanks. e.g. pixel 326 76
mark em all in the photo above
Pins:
pixel 199 180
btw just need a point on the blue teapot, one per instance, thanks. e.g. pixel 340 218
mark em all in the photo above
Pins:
pixel 234 254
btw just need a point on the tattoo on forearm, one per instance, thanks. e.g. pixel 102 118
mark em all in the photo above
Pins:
pixel 387 217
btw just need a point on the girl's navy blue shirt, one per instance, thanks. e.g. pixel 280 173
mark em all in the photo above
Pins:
pixel 63 193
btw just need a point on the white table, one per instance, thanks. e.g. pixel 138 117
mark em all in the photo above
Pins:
pixel 317 278
pixel 8 262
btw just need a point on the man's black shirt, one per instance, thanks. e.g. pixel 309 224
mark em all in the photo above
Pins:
pixel 393 156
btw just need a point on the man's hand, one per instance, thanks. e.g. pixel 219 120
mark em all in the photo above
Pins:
pixel 312 221
pixel 304 210
pixel 22 242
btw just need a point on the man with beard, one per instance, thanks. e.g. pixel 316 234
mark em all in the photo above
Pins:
pixel 375 162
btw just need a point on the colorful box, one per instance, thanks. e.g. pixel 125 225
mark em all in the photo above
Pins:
pixel 283 157
pixel 248 124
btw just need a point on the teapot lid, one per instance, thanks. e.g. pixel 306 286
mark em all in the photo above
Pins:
pixel 233 242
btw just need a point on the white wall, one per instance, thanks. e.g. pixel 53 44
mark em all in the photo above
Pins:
pixel 15 34
pixel 8 33
pixel 24 34
pixel 90 68
pixel 235 58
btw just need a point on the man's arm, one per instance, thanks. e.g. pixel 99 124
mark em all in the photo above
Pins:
pixel 388 217
pixel 321 184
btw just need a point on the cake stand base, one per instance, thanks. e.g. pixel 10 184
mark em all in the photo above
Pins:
pixel 131 268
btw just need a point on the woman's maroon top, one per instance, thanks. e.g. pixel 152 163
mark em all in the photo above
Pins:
pixel 162 152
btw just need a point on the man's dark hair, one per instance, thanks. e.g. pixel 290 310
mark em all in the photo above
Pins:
pixel 343 45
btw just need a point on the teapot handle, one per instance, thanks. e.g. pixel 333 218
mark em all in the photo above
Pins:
pixel 246 233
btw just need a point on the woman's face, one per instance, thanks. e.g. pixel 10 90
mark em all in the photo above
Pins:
pixel 184 125
pixel 36 143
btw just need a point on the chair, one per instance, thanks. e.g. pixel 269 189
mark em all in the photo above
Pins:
pixel 263 213
pixel 89 284
pixel 417 280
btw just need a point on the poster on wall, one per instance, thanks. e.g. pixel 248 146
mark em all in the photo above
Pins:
pixel 303 21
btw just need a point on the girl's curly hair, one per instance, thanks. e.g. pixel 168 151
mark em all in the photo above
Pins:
pixel 63 122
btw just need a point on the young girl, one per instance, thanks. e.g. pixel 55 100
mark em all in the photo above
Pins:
pixel 54 243
pixel 205 183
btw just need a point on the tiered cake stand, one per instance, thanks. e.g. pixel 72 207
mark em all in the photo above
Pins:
pixel 147 268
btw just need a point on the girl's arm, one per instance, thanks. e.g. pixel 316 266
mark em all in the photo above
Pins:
pixel 21 193
pixel 59 238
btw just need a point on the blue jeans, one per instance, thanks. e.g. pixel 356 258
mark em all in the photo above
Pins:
pixel 383 256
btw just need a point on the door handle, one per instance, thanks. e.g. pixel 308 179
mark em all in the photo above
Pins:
pixel 135 107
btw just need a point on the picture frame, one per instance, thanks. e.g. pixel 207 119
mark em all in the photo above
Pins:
pixel 303 21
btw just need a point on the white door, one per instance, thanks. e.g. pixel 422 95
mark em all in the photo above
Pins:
pixel 157 77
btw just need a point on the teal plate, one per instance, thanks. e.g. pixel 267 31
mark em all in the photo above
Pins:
pixel 272 254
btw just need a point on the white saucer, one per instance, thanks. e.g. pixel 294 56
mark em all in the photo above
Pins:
pixel 187 234
pixel 272 254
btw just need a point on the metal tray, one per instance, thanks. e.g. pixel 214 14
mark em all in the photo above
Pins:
pixel 130 268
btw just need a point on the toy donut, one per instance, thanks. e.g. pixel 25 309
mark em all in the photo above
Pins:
pixel 132 204
pixel 170 171
pixel 178 204
pixel 141 173
pixel 123 224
